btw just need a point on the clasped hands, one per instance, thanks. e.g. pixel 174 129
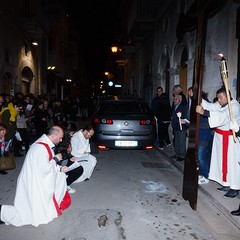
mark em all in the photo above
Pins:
pixel 200 109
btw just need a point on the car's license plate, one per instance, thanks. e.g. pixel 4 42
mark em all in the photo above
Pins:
pixel 126 143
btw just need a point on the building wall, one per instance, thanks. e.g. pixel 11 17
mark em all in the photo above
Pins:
pixel 23 67
pixel 16 53
pixel 162 47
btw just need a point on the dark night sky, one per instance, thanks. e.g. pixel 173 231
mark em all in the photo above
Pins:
pixel 98 23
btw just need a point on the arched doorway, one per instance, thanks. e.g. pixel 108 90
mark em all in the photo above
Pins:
pixel 27 77
pixel 7 80
pixel 183 71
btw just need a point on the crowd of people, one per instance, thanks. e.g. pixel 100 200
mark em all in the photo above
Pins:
pixel 57 155
pixel 218 150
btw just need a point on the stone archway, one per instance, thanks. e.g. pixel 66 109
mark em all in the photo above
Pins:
pixel 27 77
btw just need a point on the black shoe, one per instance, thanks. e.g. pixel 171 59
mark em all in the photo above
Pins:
pixel 174 156
pixel 223 189
pixel 18 155
pixel 179 159
pixel 236 212
pixel 1 222
pixel 3 172
pixel 231 193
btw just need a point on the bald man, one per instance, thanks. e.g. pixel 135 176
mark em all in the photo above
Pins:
pixel 41 192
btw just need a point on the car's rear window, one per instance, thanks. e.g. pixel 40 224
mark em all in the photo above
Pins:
pixel 123 107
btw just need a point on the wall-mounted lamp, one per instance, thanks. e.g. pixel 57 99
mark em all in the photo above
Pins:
pixel 68 80
pixel 34 43
pixel 51 67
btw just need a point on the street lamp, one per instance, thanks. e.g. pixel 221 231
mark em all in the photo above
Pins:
pixel 114 49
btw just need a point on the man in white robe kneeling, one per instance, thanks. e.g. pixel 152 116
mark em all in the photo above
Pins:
pixel 41 193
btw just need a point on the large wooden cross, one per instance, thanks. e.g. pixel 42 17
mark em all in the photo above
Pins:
pixel 198 14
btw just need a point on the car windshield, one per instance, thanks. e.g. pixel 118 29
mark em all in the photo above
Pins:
pixel 123 108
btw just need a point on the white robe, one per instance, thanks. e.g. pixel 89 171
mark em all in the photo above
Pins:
pixel 38 181
pixel 81 145
pixel 220 119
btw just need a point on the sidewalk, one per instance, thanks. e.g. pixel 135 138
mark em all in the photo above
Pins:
pixel 225 205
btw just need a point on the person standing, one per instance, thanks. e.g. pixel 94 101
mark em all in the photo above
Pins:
pixel 189 101
pixel 59 117
pixel 9 118
pixel 179 126
pixel 40 119
pixel 41 193
pixel 224 166
pixel 205 138
pixel 2 102
pixel 49 113
pixel 162 111
pixel 177 90
pixel 80 145
pixel 22 129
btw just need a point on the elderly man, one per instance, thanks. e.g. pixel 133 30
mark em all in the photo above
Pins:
pixel 180 125
pixel 41 192
pixel 177 90
pixel 225 160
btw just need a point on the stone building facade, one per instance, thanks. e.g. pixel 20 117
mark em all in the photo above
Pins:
pixel 28 68
pixel 165 38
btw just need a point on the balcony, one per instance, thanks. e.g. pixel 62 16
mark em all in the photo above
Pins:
pixel 141 19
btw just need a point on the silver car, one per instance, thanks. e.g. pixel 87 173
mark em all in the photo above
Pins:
pixel 124 123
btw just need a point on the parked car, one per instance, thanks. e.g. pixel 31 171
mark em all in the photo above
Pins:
pixel 124 123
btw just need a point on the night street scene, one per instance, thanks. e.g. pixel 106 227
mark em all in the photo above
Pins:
pixel 120 120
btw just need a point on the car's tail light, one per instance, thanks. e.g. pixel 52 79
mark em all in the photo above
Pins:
pixel 102 147
pixel 103 121
pixel 147 122
pixel 149 147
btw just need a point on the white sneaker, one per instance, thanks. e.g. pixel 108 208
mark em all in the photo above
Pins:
pixel 202 180
pixel 169 146
pixel 71 190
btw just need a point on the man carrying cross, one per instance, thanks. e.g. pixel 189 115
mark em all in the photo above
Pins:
pixel 225 160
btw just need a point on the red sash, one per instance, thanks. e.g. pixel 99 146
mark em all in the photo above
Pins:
pixel 66 202
pixel 225 135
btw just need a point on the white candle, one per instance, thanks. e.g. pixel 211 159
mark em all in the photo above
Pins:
pixel 179 114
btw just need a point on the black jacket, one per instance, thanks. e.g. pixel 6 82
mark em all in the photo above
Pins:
pixel 163 111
